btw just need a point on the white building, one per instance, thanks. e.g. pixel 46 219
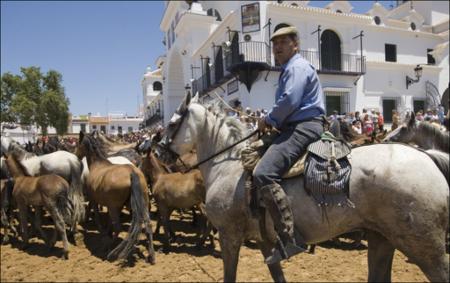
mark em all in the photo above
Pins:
pixel 121 124
pixel 79 123
pixel 152 91
pixel 210 43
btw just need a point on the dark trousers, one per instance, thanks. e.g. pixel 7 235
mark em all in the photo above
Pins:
pixel 286 149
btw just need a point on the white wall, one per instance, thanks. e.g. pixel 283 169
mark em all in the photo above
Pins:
pixel 124 123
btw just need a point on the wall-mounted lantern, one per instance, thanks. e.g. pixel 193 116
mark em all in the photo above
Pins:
pixel 418 72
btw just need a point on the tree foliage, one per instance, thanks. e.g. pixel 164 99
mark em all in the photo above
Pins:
pixel 33 97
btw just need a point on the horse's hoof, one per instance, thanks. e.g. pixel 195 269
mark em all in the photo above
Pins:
pixel 5 240
pixel 65 255
pixel 199 246
pixel 151 259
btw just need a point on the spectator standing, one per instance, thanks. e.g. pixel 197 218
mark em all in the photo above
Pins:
pixel 380 121
pixel 441 113
pixel 395 120
pixel 356 126
pixel 367 125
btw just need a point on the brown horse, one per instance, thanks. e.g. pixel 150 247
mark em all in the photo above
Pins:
pixel 50 191
pixel 111 146
pixel 111 185
pixel 175 191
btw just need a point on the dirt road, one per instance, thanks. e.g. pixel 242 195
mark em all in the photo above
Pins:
pixel 185 263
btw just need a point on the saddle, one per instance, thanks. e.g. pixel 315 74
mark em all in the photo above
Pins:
pixel 325 165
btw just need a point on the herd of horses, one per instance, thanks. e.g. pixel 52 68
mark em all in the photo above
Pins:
pixel 394 204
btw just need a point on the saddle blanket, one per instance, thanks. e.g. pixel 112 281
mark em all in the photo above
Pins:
pixel 325 165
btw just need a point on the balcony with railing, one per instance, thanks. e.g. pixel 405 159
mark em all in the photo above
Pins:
pixel 254 55
pixel 340 64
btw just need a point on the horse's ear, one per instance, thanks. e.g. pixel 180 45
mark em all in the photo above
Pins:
pixel 81 136
pixel 195 98
pixel 412 120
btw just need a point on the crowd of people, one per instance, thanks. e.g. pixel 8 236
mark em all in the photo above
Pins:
pixel 367 121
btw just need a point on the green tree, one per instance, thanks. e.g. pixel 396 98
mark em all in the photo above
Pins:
pixel 35 98
pixel 9 86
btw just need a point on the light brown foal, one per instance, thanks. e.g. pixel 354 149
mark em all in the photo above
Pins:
pixel 49 191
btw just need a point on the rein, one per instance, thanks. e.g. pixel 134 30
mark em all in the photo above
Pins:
pixel 188 169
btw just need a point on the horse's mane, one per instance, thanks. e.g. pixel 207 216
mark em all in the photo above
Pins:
pixel 19 152
pixel 236 128
pixel 94 146
pixel 18 166
pixel 441 138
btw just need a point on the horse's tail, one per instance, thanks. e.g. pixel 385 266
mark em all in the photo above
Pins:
pixel 441 159
pixel 76 192
pixel 139 215
pixel 65 206
pixel 6 200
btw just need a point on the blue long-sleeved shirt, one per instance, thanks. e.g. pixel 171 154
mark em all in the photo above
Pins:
pixel 299 94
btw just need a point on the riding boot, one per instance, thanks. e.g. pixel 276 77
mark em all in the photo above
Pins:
pixel 277 204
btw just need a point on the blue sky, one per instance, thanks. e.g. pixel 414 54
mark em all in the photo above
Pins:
pixel 101 48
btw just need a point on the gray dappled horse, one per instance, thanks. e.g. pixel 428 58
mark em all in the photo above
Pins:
pixel 424 134
pixel 397 206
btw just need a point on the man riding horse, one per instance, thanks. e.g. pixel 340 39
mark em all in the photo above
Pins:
pixel 297 114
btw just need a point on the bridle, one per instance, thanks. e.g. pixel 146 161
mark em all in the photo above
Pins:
pixel 166 145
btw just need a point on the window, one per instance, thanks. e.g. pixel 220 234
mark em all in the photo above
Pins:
pixel 103 129
pixel 413 26
pixel 94 127
pixel 113 128
pixel 157 86
pixel 83 128
pixel 430 58
pixel 377 20
pixel 130 129
pixel 390 51
pixel 119 129
pixel 339 11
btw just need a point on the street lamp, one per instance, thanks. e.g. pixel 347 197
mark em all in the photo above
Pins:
pixel 418 72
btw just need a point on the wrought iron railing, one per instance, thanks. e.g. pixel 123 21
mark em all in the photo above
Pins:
pixel 252 51
pixel 342 64
pixel 259 52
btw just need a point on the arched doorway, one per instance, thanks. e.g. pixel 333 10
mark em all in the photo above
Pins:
pixel 330 49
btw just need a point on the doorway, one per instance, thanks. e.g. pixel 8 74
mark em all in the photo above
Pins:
pixel 388 106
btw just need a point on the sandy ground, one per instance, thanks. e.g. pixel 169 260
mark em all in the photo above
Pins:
pixel 184 263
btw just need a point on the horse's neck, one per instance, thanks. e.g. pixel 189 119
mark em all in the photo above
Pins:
pixel 14 168
pixel 28 160
pixel 156 168
pixel 94 160
pixel 430 139
pixel 212 138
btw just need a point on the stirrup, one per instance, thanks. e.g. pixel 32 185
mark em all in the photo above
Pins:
pixel 282 252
